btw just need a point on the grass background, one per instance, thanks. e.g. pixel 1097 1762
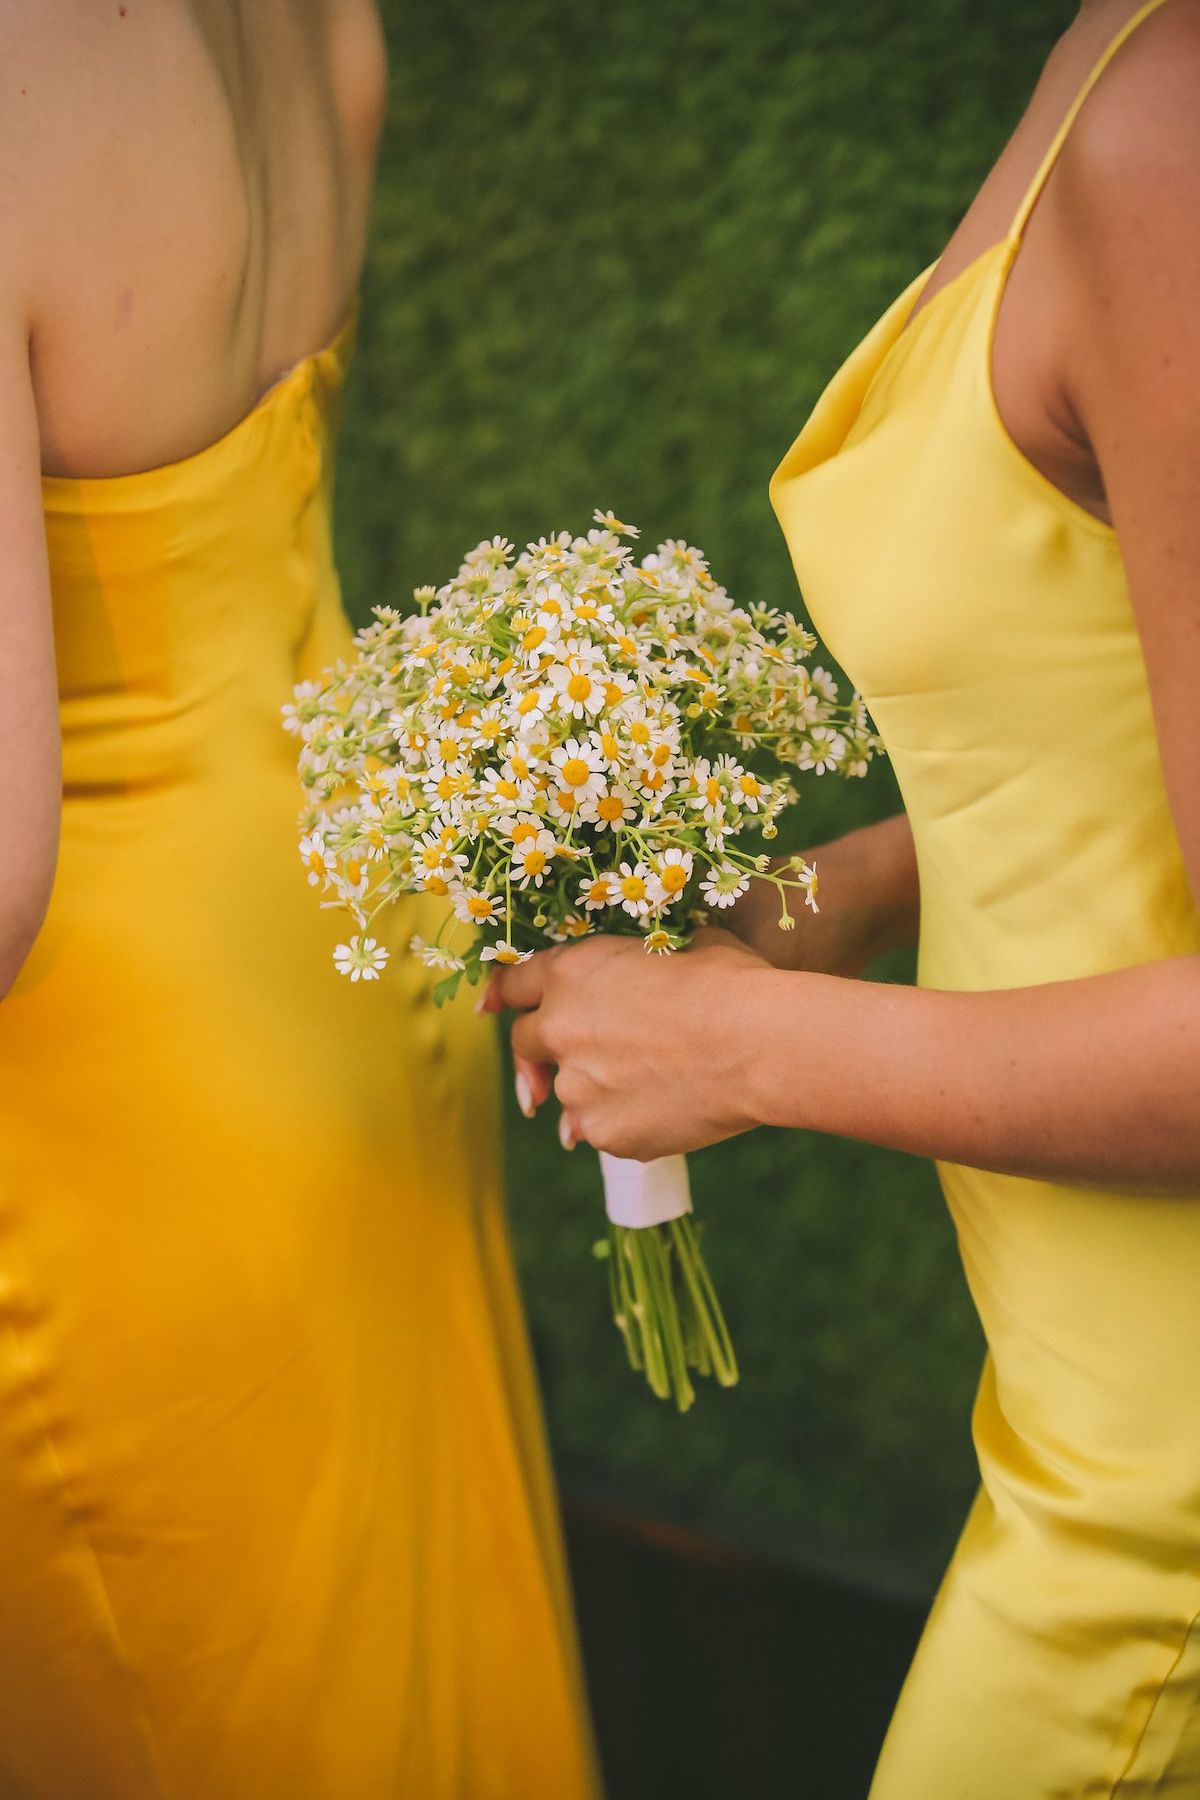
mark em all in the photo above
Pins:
pixel 616 254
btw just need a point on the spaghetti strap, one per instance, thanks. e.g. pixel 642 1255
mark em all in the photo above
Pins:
pixel 1060 136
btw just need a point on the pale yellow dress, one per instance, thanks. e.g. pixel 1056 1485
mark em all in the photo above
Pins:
pixel 987 620
pixel 276 1521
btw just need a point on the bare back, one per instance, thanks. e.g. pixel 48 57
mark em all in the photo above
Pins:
pixel 195 209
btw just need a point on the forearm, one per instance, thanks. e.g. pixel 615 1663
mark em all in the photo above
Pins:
pixel 1089 1081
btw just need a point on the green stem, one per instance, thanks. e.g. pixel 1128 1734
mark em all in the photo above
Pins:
pixel 705 1303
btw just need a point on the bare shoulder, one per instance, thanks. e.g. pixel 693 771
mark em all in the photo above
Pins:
pixel 66 76
pixel 1124 201
pixel 1137 137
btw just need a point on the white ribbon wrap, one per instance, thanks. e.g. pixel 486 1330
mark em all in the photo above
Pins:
pixel 638 1194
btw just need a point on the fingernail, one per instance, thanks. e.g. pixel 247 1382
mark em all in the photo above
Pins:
pixel 524 1094
pixel 566 1136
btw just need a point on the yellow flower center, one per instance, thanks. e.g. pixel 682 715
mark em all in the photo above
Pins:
pixel 446 787
pixel 579 687
pixel 610 746
pixel 639 731
pixel 508 790
pixel 448 749
pixel 712 789
pixel 674 878
pixel 522 830
pixel 527 703
pixel 576 927
pixel 520 768
pixel 654 780
pixel 316 861
pixel 534 637
pixel 459 676
pixel 431 856
pixel 566 801
pixel 508 956
pixel 354 873
pixel 480 906
pixel 535 861
pixel 749 785
pixel 611 808
pixel 489 730
pixel 662 754
pixel 633 887
pixel 575 772
pixel 434 884
pixel 598 892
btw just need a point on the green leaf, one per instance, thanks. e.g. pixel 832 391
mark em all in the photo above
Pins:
pixel 446 989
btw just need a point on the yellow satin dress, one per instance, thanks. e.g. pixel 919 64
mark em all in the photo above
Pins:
pixel 987 620
pixel 276 1521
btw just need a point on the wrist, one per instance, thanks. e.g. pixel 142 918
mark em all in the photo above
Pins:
pixel 757 1020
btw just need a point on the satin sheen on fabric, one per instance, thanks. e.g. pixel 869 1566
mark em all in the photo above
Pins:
pixel 987 620
pixel 276 1521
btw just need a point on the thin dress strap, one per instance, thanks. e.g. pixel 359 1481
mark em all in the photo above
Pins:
pixel 1060 136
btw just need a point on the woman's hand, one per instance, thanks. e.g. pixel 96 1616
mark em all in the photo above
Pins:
pixel 867 882
pixel 649 1057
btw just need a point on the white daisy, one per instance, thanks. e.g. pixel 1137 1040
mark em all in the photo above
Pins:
pixel 294 713
pixel 433 852
pixel 532 856
pixel 633 890
pixel 573 926
pixel 578 681
pixel 598 891
pixel 723 885
pixel 503 952
pixel 590 607
pixel 476 908
pixel 529 713
pixel 361 959
pixel 744 786
pixel 579 767
pixel 824 749
pixel 610 522
pixel 609 809
pixel 502 787
pixel 710 798
pixel 317 859
pixel 434 957
pixel 672 872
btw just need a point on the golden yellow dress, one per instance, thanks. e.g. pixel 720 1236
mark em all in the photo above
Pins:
pixel 987 620
pixel 276 1521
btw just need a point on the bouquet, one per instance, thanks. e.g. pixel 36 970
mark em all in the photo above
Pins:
pixel 564 742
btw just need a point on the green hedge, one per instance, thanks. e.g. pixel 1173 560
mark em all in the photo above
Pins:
pixel 616 252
